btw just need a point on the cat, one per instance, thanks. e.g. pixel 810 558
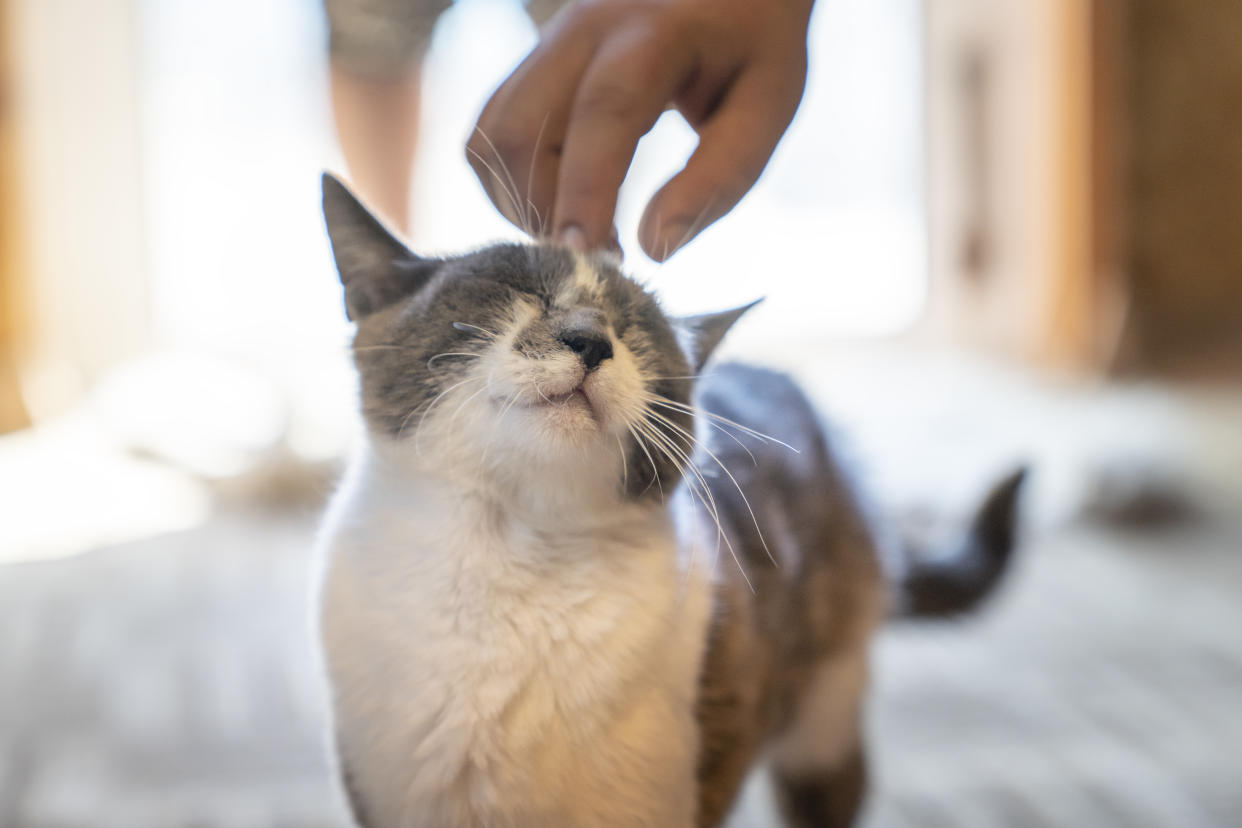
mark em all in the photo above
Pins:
pixel 569 579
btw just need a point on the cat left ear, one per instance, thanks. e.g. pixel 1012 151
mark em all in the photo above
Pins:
pixel 705 331
pixel 375 268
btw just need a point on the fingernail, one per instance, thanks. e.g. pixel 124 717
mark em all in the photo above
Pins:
pixel 674 237
pixel 573 238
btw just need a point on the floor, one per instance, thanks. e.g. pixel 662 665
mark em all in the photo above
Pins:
pixel 169 682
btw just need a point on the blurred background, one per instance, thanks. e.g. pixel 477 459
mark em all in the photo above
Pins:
pixel 995 233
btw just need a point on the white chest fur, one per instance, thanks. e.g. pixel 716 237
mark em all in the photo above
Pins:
pixel 489 672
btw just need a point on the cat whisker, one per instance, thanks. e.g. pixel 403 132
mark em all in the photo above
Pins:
pixel 671 449
pixel 709 502
pixel 526 226
pixel 690 377
pixel 510 194
pixel 467 400
pixel 426 406
pixel 418 431
pixel 513 187
pixel 745 500
pixel 530 174
pixel 540 390
pixel 369 348
pixel 512 400
pixel 625 469
pixel 542 227
pixel 509 405
pixel 665 402
pixel 451 354
pixel 695 500
pixel 724 431
pixel 655 470
pixel 691 229
pixel 678 464
pixel 466 327
pixel 694 227
pixel 652 443
pixel 734 438
pixel 708 420
pixel 659 223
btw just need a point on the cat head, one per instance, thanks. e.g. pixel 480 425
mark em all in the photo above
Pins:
pixel 518 364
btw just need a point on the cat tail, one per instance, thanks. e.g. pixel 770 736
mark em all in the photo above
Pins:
pixel 959 582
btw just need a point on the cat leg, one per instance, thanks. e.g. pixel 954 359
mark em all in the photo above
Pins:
pixel 817 763
pixel 827 798
pixel 723 767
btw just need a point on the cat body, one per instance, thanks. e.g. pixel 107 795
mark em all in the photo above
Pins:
pixel 566 582
pixel 494 671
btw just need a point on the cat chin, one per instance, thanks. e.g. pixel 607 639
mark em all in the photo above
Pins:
pixel 572 412
pixel 571 427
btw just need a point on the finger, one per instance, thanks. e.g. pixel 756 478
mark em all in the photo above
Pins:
pixel 621 96
pixel 515 147
pixel 735 145
pixel 522 190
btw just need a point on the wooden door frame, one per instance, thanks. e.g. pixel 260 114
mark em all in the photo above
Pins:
pixel 81 281
pixel 1051 290
pixel 13 414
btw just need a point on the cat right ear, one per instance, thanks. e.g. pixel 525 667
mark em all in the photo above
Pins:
pixel 376 269
pixel 702 333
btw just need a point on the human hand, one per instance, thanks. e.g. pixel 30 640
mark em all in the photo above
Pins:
pixel 565 124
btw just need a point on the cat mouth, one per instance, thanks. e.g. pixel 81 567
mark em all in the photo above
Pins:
pixel 576 399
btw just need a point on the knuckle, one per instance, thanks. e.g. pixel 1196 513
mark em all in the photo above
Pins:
pixel 511 145
pixel 609 99
pixel 489 146
pixel 600 9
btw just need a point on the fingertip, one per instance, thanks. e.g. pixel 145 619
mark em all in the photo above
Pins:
pixel 572 237
pixel 660 238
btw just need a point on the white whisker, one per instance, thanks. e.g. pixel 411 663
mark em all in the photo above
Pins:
pixel 693 228
pixel 530 175
pixel 687 435
pixel 655 470
pixel 625 468
pixel 522 216
pixel 467 400
pixel 513 399
pixel 451 354
pixel 665 402
pixel 466 327
pixel 670 448
pixel 427 410
pixel 510 195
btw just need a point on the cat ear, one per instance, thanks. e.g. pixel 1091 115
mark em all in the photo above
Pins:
pixel 703 332
pixel 375 268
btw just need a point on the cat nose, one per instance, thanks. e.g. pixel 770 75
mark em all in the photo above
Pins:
pixel 589 340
